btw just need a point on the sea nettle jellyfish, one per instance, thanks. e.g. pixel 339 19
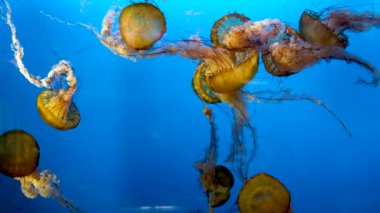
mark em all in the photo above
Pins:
pixel 19 158
pixel 264 194
pixel 19 153
pixel 293 54
pixel 327 27
pixel 141 25
pixel 55 106
pixel 216 180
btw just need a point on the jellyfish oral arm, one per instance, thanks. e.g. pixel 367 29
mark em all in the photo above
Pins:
pixel 63 68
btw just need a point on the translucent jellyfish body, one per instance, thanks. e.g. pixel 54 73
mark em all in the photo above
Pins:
pixel 19 153
pixel 57 109
pixel 141 24
pixel 264 194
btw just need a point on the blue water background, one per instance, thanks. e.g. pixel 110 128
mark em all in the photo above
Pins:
pixel 142 126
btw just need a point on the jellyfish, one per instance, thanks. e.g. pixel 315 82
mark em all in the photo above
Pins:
pixel 19 153
pixel 264 194
pixel 46 184
pixel 19 158
pixel 327 27
pixel 216 180
pixel 141 25
pixel 55 106
pixel 293 54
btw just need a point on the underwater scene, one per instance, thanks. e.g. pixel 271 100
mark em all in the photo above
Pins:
pixel 189 106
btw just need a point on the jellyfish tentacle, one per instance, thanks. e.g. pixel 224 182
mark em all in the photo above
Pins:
pixel 341 20
pixel 63 68
pixel 342 55
pixel 285 95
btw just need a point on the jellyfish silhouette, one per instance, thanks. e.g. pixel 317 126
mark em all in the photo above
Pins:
pixel 264 194
pixel 55 106
pixel 19 153
pixel 141 24
pixel 19 158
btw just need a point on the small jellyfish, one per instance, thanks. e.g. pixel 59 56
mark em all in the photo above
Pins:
pixel 141 24
pixel 55 106
pixel 264 194
pixel 19 153
pixel 45 184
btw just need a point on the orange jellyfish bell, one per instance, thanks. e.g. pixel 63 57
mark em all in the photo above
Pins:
pixel 141 25
pixel 232 80
pixel 313 30
pixel 19 153
pixel 57 109
pixel 278 67
pixel 264 194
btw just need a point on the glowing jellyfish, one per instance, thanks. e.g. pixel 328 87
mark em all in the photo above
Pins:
pixel 19 153
pixel 55 106
pixel 141 25
pixel 264 194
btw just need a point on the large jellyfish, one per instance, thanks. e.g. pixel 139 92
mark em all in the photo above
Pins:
pixel 216 180
pixel 55 106
pixel 19 158
pixel 264 194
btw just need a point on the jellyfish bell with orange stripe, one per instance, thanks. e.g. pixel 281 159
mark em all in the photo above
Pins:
pixel 19 153
pixel 141 25
pixel 264 193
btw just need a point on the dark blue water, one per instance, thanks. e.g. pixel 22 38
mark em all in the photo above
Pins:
pixel 142 127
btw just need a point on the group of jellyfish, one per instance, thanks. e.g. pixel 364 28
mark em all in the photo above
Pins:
pixel 225 67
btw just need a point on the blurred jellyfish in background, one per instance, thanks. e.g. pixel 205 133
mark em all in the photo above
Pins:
pixel 264 194
pixel 55 106
pixel 216 180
